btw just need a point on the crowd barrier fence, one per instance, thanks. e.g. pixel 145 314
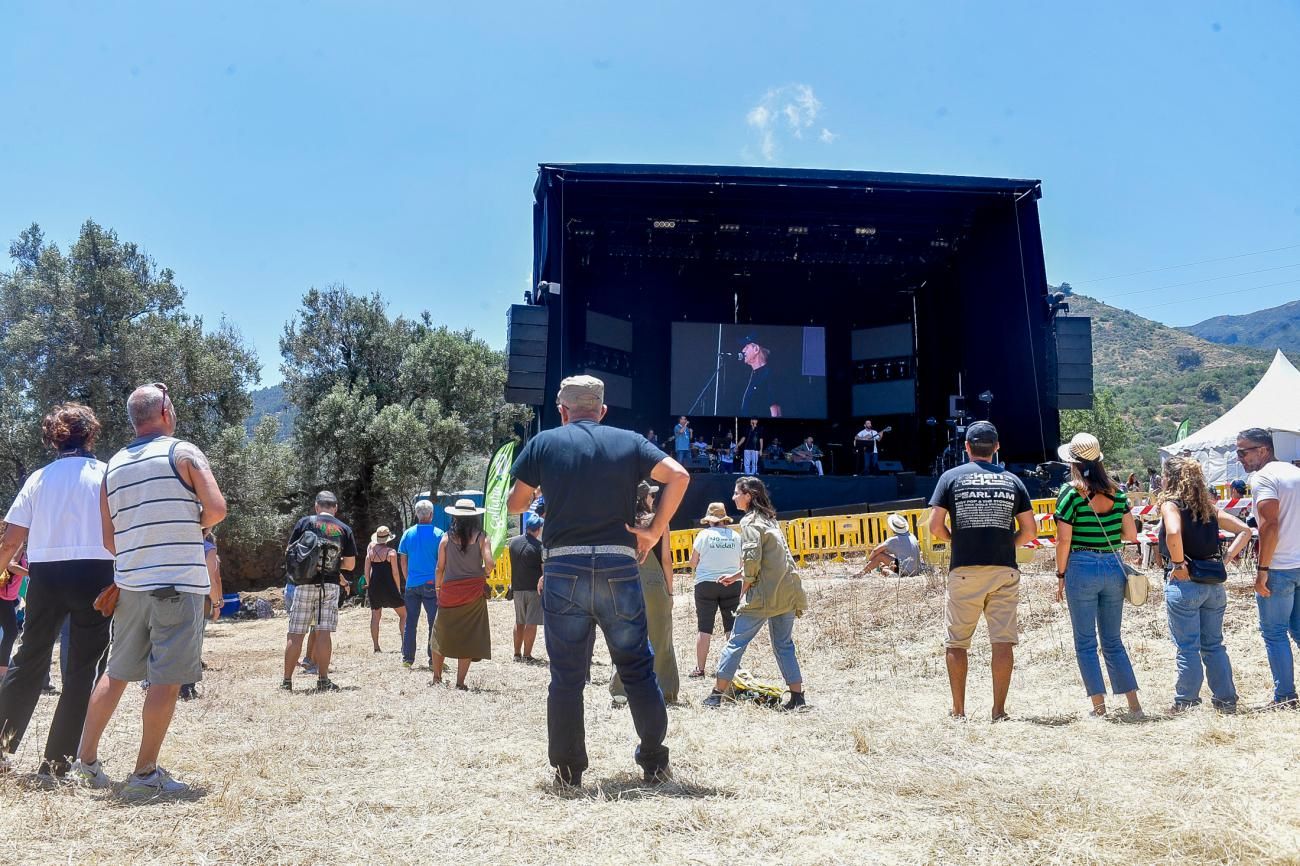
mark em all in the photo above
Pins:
pixel 827 538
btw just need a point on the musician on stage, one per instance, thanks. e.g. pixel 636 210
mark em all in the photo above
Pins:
pixel 726 450
pixel 808 453
pixel 760 397
pixel 751 443
pixel 867 441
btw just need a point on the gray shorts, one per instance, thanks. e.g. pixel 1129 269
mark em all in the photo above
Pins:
pixel 528 608
pixel 157 639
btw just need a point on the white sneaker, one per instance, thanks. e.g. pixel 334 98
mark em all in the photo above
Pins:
pixel 156 783
pixel 91 775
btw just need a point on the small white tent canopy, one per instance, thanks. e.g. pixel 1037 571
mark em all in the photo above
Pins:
pixel 1274 404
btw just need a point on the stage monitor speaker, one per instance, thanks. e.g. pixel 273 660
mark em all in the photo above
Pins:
pixel 906 484
pixel 835 510
pixel 891 467
pixel 526 338
pixel 1073 362
pixel 898 505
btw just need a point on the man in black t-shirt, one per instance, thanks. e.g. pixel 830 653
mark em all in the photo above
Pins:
pixel 316 608
pixel 525 582
pixel 991 515
pixel 590 576
pixel 751 443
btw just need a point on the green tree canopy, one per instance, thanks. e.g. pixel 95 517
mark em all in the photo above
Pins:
pixel 1104 420
pixel 90 325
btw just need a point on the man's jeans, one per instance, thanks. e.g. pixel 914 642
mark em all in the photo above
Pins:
pixel 1278 615
pixel 1196 625
pixel 425 595
pixel 1094 593
pixel 578 594
pixel 779 628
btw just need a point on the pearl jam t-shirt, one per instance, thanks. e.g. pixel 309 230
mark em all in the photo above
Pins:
pixel 982 502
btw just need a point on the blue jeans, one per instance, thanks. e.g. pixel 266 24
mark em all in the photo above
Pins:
pixel 578 594
pixel 1094 591
pixel 425 595
pixel 1196 625
pixel 746 627
pixel 1279 614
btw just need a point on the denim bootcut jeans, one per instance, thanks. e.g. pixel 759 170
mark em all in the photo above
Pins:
pixel 1279 616
pixel 1196 625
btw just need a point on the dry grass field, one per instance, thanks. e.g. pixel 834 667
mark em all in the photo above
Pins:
pixel 393 771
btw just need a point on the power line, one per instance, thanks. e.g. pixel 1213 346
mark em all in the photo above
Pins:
pixel 1189 264
pixel 1208 280
pixel 1221 294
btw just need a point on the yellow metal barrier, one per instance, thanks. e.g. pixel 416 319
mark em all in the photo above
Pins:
pixel 824 537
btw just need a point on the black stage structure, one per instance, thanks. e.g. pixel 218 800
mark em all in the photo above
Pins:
pixel 955 264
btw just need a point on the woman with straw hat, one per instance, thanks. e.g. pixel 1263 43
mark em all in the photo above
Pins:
pixel 714 555
pixel 771 593
pixel 461 628
pixel 1092 524
pixel 382 583
pixel 657 588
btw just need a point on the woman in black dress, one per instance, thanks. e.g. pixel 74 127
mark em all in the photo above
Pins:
pixel 382 583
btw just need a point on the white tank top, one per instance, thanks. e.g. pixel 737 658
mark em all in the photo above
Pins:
pixel 155 519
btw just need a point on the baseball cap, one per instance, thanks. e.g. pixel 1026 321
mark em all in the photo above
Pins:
pixel 534 522
pixel 582 392
pixel 751 337
pixel 982 433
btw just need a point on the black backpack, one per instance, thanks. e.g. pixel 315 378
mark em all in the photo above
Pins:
pixel 302 561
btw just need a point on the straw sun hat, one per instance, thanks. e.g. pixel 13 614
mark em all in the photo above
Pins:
pixel 464 508
pixel 899 524
pixel 716 514
pixel 1084 446
pixel 381 535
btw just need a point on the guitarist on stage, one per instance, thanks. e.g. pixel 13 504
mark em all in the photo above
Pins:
pixel 867 441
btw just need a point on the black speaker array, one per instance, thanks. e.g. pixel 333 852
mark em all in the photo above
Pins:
pixel 526 332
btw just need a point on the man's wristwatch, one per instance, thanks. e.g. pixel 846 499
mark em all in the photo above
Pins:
pixel 1261 568
pixel 1060 575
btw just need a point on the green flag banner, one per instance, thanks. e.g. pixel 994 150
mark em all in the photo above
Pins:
pixel 496 519
pixel 1183 430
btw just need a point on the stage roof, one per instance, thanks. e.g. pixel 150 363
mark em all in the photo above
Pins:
pixel 745 175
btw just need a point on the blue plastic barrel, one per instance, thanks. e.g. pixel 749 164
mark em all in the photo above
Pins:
pixel 230 604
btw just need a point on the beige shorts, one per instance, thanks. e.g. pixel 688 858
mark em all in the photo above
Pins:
pixel 993 590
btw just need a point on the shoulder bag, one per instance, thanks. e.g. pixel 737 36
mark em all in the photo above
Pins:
pixel 1136 585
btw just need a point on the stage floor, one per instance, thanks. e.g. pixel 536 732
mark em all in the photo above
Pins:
pixel 847 494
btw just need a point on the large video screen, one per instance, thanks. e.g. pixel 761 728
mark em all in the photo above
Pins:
pixel 748 371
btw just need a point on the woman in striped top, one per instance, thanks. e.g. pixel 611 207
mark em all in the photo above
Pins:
pixel 1092 524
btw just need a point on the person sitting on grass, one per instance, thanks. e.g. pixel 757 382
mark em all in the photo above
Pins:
pixel 771 593
pixel 900 553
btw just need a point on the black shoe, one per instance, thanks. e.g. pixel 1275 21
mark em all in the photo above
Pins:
pixel 714 700
pixel 327 685
pixel 566 778
pixel 796 702
pixel 286 686
pixel 188 692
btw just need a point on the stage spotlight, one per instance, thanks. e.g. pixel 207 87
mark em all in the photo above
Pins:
pixel 665 224
pixel 798 230
pixel 729 227
pixel 864 231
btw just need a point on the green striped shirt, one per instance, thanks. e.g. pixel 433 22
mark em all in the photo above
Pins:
pixel 1092 531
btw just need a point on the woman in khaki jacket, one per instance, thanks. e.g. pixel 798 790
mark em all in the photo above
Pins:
pixel 771 593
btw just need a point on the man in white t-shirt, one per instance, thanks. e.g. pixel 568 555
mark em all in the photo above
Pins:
pixel 715 554
pixel 1276 489
pixel 867 442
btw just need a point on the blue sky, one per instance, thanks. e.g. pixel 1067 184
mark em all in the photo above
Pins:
pixel 259 149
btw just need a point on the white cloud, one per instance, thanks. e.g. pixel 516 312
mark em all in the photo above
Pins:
pixel 788 110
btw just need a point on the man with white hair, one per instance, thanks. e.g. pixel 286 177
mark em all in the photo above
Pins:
pixel 417 560
pixel 591 550
pixel 157 501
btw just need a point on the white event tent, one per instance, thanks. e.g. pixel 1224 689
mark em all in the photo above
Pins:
pixel 1274 404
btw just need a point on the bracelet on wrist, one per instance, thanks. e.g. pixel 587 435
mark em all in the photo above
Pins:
pixel 1261 568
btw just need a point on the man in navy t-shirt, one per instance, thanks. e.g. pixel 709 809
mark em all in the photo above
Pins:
pixel 991 515
pixel 589 574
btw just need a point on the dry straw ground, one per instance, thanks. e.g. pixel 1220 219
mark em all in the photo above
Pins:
pixel 392 771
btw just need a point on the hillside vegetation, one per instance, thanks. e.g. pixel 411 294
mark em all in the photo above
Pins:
pixel 1276 328
pixel 1161 375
